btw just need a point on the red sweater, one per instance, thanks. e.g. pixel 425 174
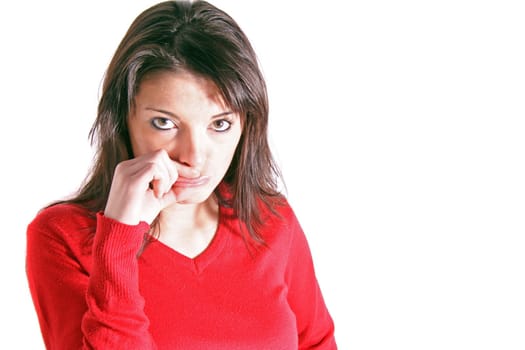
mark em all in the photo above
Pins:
pixel 98 291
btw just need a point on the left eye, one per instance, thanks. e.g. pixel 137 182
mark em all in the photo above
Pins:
pixel 221 125
pixel 162 123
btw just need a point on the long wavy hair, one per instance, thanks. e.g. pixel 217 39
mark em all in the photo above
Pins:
pixel 203 40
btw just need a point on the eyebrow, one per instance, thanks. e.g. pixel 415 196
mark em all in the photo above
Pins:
pixel 173 115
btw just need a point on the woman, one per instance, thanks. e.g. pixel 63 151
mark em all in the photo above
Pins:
pixel 179 237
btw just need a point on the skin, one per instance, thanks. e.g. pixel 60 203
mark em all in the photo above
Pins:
pixel 183 137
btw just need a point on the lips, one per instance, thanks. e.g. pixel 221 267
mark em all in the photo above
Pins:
pixel 193 182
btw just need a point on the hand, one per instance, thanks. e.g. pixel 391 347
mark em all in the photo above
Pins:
pixel 141 187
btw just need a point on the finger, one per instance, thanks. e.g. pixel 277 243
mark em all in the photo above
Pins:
pixel 168 199
pixel 170 168
pixel 134 176
pixel 161 181
pixel 156 187
pixel 186 171
pixel 149 176
pixel 177 169
pixel 163 175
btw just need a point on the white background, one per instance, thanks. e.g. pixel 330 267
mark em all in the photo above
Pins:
pixel 399 126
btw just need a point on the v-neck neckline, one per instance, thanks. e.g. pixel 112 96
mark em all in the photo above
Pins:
pixel 198 263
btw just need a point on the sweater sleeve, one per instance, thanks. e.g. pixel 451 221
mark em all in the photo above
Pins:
pixel 314 324
pixel 87 308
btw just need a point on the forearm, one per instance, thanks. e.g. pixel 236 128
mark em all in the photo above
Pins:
pixel 115 316
pixel 86 294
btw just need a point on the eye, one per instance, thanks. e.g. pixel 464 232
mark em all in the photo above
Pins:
pixel 221 125
pixel 162 123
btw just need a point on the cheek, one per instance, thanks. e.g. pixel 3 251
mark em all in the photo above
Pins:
pixel 136 145
pixel 139 143
pixel 221 156
pixel 147 142
pixel 223 153
pixel 140 146
pixel 232 147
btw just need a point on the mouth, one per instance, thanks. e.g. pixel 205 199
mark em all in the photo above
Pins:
pixel 194 182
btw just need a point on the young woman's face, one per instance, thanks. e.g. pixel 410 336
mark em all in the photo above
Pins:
pixel 185 115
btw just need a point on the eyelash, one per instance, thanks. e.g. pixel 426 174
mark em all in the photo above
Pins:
pixel 155 123
pixel 222 121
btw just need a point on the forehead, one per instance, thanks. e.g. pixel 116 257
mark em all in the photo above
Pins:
pixel 178 86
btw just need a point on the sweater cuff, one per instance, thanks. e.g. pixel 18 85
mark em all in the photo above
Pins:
pixel 124 235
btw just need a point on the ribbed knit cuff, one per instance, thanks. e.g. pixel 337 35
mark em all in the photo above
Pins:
pixel 115 250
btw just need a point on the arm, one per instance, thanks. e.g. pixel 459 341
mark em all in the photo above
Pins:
pixel 314 323
pixel 115 316
pixel 99 307
pixel 81 309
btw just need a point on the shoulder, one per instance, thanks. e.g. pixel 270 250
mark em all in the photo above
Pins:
pixel 60 237
pixel 62 221
pixel 278 212
pixel 63 214
pixel 279 222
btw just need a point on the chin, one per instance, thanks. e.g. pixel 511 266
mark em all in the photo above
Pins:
pixel 192 195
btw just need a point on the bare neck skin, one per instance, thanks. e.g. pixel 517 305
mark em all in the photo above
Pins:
pixel 189 228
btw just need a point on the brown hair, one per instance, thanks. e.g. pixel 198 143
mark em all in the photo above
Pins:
pixel 202 39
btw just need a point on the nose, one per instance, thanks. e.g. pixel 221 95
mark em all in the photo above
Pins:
pixel 189 149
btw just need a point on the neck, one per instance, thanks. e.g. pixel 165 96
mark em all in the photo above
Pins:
pixel 189 228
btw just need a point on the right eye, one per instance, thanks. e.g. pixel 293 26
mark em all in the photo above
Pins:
pixel 162 123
